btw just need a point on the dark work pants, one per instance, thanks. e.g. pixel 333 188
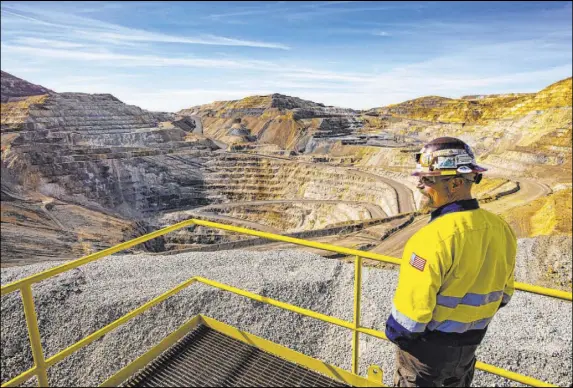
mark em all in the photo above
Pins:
pixel 435 367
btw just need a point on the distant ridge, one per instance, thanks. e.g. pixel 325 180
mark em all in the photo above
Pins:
pixel 269 101
pixel 14 87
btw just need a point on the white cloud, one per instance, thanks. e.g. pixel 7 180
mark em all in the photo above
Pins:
pixel 108 32
pixel 121 60
pixel 58 44
pixel 143 36
pixel 95 54
pixel 110 59
pixel 351 90
pixel 300 12
pixel 305 74
pixel 380 91
pixel 27 18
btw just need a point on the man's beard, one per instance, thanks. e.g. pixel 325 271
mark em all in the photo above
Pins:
pixel 426 203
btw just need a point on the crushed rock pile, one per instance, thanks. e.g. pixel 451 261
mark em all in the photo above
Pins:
pixel 532 335
pixel 546 261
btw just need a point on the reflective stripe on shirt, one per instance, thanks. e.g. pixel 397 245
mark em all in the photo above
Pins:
pixel 408 324
pixel 506 298
pixel 469 299
pixel 450 326
pixel 468 274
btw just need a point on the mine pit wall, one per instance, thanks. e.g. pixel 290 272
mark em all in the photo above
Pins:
pixel 533 143
pixel 249 241
pixel 94 151
pixel 97 152
pixel 83 112
pixel 241 178
pixel 537 145
pixel 296 217
pixel 252 178
pixel 290 129
pixel 133 186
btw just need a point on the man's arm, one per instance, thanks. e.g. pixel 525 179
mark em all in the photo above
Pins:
pixel 418 285
pixel 508 291
pixel 511 252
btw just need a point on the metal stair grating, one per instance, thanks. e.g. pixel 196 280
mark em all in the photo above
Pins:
pixel 205 357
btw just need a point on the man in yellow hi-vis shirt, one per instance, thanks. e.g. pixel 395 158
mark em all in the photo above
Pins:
pixel 456 273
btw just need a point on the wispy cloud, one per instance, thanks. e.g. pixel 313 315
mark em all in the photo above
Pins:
pixel 108 32
pixel 349 54
pixel 100 7
pixel 357 31
pixel 121 60
pixel 304 11
pixel 48 43
pixel 223 16
pixel 321 12
pixel 107 59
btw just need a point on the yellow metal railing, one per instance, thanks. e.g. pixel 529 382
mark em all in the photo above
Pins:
pixel 41 364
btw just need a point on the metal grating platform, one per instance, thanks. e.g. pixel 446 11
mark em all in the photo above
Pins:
pixel 205 357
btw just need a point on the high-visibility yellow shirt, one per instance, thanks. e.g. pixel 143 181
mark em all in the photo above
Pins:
pixel 455 273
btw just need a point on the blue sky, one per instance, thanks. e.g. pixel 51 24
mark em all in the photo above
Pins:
pixel 172 55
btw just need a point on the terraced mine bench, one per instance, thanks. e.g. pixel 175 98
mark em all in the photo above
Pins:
pixel 205 352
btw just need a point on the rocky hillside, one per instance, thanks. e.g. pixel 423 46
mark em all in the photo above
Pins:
pixel 38 228
pixel 550 215
pixel 481 109
pixel 110 165
pixel 515 135
pixel 11 88
pixel 95 151
pixel 117 169
pixel 81 172
pixel 521 134
pixel 288 122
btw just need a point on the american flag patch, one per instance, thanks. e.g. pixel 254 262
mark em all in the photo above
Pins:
pixel 417 262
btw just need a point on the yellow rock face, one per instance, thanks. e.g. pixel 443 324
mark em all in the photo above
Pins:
pixel 251 102
pixel 13 114
pixel 557 95
pixel 545 216
pixel 481 110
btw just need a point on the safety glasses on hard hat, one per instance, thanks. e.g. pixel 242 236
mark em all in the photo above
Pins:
pixel 442 162
pixel 424 159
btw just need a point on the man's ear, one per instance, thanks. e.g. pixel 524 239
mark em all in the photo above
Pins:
pixel 456 182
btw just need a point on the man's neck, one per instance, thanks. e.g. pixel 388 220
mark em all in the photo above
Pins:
pixel 466 195
pixel 455 206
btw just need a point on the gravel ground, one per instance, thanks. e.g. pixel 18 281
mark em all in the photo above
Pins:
pixel 531 336
pixel 546 261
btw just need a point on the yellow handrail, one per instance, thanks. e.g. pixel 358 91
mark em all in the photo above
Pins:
pixel 273 302
pixel 41 365
pixel 34 333
pixel 276 237
pixel 356 319
pixel 89 258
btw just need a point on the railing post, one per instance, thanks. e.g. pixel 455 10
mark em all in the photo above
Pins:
pixel 357 295
pixel 375 374
pixel 34 333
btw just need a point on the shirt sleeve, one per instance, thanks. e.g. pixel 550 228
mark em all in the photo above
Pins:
pixel 511 255
pixel 424 264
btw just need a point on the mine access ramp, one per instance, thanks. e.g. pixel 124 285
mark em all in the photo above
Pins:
pixel 206 352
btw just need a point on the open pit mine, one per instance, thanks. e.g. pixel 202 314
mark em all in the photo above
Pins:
pixel 85 172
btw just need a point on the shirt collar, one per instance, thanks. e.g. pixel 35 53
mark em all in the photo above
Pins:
pixel 457 206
